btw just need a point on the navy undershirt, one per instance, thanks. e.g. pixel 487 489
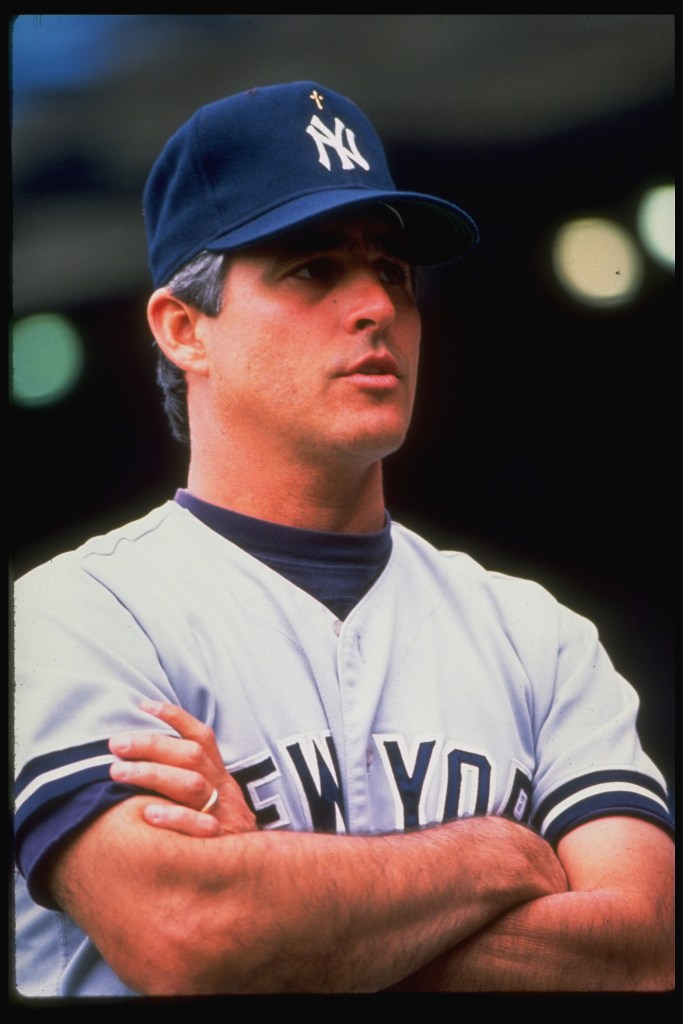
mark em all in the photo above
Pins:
pixel 336 569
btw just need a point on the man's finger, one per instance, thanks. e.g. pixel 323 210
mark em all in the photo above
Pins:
pixel 162 749
pixel 181 819
pixel 184 787
pixel 185 724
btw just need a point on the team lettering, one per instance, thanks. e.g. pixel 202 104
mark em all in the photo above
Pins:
pixel 412 767
pixel 347 151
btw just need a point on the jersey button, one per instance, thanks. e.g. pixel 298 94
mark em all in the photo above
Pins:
pixel 337 627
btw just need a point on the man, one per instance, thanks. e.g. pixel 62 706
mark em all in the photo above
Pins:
pixel 433 775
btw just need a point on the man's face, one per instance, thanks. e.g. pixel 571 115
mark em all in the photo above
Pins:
pixel 315 351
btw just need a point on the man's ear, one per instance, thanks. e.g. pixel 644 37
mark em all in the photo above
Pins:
pixel 176 327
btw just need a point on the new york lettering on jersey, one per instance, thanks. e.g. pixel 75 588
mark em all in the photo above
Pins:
pixel 412 768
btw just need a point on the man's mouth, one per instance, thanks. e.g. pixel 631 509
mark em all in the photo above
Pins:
pixel 374 366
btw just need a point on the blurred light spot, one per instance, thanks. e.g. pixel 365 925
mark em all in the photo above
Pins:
pixel 656 215
pixel 47 359
pixel 597 261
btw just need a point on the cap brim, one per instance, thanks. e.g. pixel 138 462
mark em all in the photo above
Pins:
pixel 437 231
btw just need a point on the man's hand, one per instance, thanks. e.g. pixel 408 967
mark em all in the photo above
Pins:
pixel 186 769
pixel 613 931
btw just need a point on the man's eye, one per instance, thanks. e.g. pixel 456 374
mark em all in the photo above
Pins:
pixel 319 269
pixel 392 273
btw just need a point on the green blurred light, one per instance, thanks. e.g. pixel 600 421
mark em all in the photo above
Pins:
pixel 47 359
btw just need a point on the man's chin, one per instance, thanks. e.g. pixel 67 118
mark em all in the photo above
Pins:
pixel 371 447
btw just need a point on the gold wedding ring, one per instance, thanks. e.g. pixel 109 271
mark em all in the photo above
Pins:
pixel 210 803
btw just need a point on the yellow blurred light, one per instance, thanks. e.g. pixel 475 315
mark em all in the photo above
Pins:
pixel 597 261
pixel 47 359
pixel 656 224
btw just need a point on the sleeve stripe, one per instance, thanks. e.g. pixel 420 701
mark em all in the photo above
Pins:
pixel 644 797
pixel 617 778
pixel 64 758
pixel 47 779
pixel 57 774
pixel 606 805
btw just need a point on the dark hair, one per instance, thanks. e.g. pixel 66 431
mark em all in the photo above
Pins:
pixel 200 284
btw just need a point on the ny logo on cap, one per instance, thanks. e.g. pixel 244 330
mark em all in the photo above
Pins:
pixel 346 151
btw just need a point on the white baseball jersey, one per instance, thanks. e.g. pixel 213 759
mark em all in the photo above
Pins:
pixel 448 691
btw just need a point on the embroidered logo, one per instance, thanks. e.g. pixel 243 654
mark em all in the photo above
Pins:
pixel 343 141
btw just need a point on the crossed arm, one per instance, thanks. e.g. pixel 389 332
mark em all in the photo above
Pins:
pixel 612 931
pixel 476 905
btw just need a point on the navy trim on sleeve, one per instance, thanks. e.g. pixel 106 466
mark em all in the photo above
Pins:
pixel 607 807
pixel 41 836
pixel 598 794
pixel 57 774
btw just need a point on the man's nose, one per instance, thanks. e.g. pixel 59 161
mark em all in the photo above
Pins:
pixel 369 305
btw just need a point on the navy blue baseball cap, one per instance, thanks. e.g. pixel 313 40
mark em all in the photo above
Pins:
pixel 252 166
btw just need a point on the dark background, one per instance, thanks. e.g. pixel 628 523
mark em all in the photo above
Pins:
pixel 542 442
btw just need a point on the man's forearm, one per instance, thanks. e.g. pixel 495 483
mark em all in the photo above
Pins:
pixel 265 912
pixel 615 937
pixel 569 942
